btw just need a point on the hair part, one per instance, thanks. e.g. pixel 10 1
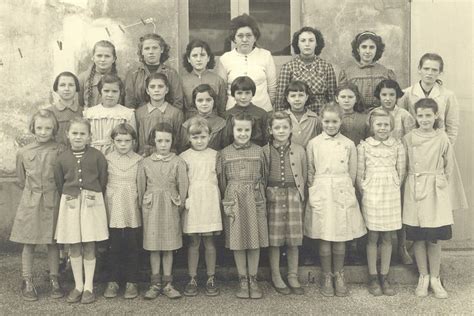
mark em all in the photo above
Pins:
pixel 317 34
pixel 358 106
pixel 197 43
pixel 123 129
pixel 45 114
pixel 198 125
pixel 428 103
pixel 379 112
pixel 66 74
pixel 332 108
pixel 244 20
pixel 165 48
pixel 111 78
pixel 363 36
pixel 242 83
pixel 388 84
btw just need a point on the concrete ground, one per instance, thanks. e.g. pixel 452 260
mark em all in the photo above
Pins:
pixel 457 271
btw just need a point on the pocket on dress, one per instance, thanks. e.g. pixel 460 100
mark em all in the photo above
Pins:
pixel 147 200
pixel 71 202
pixel 229 209
pixel 441 181
pixel 90 201
pixel 261 208
pixel 315 199
pixel 396 179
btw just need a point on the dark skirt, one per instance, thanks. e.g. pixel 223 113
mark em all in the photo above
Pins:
pixel 416 233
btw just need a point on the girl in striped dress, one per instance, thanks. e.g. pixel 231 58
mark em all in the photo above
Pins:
pixel 380 172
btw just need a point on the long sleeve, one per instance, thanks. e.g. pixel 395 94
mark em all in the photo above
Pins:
pixel 360 166
pixel 131 100
pixel 271 79
pixel 103 174
pixel 283 81
pixel 401 163
pixel 220 168
pixel 222 72
pixel 331 83
pixel 408 122
pixel 59 176
pixel 353 163
pixel 221 98
pixel 20 170
pixel 183 181
pixel 342 77
pixel 133 121
pixel 176 88
pixel 310 162
pixel 448 157
pixel 304 168
pixel 265 170
pixel 451 119
pixel 141 182
pixel 391 75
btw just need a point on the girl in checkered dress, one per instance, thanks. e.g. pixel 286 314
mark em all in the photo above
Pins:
pixel 380 172
pixel 285 200
pixel 162 187
pixel 242 173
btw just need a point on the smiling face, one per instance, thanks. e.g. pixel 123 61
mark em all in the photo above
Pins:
pixel 331 123
pixel 66 88
pixel 44 128
pixel 280 130
pixel 103 59
pixel 242 131
pixel 151 52
pixel 110 94
pixel 78 135
pixel 381 127
pixel 199 141
pixel 307 44
pixel 346 99
pixel 157 90
pixel 198 58
pixel 204 103
pixel 123 143
pixel 367 50
pixel 426 119
pixel 244 40
pixel 429 72
pixel 388 98
pixel 163 142
pixel 243 97
pixel 297 100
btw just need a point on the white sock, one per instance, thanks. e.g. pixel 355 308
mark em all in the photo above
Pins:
pixel 76 265
pixel 89 267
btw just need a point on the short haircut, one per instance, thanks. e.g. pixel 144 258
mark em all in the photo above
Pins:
pixel 161 127
pixel 111 78
pixel 317 34
pixel 198 125
pixel 46 114
pixel 279 115
pixel 204 87
pixel 197 43
pixel 242 83
pixel 358 106
pixel 79 120
pixel 123 129
pixel 379 112
pixel 243 21
pixel 428 103
pixel 432 56
pixel 380 46
pixel 388 84
pixel 298 86
pixel 165 48
pixel 66 74
pixel 331 107
pixel 159 76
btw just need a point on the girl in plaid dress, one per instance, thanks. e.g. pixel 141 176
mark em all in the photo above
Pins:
pixel 162 187
pixel 285 200
pixel 242 172
pixel 380 172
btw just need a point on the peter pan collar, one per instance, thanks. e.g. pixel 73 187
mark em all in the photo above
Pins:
pixel 157 157
pixel 388 142
pixel 326 136
pixel 57 101
pixel 244 146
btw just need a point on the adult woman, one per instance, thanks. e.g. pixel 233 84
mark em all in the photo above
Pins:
pixel 308 43
pixel 366 73
pixel 249 60
pixel 429 68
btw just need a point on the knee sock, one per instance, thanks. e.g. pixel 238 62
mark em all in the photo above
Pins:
pixel 76 265
pixel 386 253
pixel 53 260
pixel 434 258
pixel 27 261
pixel 89 267
pixel 421 256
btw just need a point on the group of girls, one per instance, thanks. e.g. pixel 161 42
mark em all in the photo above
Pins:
pixel 99 170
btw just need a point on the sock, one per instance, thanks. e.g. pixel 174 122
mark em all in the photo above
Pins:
pixel 27 261
pixel 76 265
pixel 53 260
pixel 89 267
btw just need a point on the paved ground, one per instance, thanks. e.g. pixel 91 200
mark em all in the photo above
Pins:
pixel 457 270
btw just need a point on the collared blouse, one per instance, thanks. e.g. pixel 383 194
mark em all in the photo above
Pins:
pixel 308 127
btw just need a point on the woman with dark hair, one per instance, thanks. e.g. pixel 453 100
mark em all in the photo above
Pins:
pixel 197 60
pixel 366 73
pixel 249 60
pixel 152 52
pixel 307 44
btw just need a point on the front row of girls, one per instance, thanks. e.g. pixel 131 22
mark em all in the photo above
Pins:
pixel 262 191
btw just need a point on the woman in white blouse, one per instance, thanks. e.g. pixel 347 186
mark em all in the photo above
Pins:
pixel 246 59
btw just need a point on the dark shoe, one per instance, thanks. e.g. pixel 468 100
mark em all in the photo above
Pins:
pixel 254 290
pixel 327 288
pixel 131 291
pixel 74 296
pixel 405 257
pixel 170 292
pixel 211 288
pixel 28 290
pixel 374 286
pixel 153 291
pixel 191 288
pixel 282 290
pixel 87 297
pixel 56 290
pixel 294 284
pixel 340 284
pixel 111 290
pixel 243 291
